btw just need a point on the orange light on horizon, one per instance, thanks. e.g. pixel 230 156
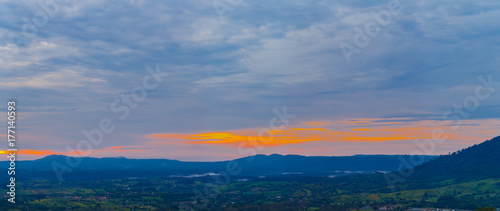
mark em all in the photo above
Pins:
pixel 378 139
pixel 318 129
pixel 247 138
pixel 30 152
pixel 373 130
pixel 74 152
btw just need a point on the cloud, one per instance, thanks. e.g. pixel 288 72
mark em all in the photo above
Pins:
pixel 59 79
pixel 226 76
pixel 122 149
pixel 335 138
pixel 316 123
pixel 244 138
pixel 35 152
pixel 372 131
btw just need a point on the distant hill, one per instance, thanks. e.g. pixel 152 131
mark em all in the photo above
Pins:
pixel 258 165
pixel 480 161
pixel 477 162
pixel 321 164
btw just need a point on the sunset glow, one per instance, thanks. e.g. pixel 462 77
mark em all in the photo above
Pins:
pixel 375 130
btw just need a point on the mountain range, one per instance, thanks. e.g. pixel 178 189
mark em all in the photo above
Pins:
pixel 480 161
pixel 257 165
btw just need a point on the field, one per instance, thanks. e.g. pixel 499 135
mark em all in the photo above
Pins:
pixel 292 193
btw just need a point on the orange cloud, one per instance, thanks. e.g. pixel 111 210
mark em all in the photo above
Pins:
pixel 294 135
pixel 377 139
pixel 32 152
pixel 373 130
pixel 74 152
pixel 318 129
pixel 247 137
pixel 277 137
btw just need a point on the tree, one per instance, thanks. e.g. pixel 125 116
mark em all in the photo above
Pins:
pixel 486 209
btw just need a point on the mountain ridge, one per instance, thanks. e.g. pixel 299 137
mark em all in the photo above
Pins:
pixel 257 165
pixel 480 161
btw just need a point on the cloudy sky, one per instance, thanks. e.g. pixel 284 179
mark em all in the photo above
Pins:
pixel 217 80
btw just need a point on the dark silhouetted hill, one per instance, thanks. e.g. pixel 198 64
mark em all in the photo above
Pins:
pixel 257 165
pixel 480 161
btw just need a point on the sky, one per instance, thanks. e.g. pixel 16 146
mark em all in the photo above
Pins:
pixel 217 80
